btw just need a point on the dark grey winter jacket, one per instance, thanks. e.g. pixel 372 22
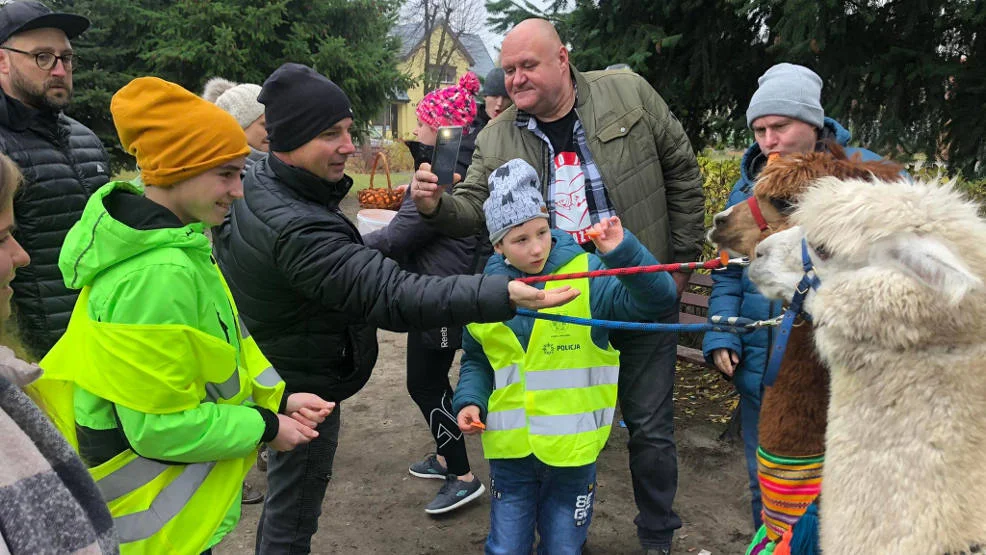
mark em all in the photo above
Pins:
pixel 311 293
pixel 63 162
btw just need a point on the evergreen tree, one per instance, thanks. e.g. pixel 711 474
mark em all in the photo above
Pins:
pixel 907 76
pixel 893 70
pixel 189 41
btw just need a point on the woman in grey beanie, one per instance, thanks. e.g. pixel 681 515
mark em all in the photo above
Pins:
pixel 240 100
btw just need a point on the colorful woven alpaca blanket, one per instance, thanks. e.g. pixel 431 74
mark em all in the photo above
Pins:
pixel 787 486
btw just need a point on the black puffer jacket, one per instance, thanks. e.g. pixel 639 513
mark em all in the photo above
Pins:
pixel 63 163
pixel 310 292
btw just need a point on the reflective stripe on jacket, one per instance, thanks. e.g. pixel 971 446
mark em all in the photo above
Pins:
pixel 557 399
pixel 159 507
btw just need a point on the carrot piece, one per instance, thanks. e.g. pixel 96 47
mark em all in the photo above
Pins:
pixel 478 424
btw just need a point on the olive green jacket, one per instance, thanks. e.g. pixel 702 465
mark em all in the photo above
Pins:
pixel 647 165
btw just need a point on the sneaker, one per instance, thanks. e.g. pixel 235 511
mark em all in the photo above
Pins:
pixel 428 468
pixel 454 494
pixel 251 496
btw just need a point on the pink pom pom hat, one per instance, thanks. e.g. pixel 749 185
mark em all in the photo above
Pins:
pixel 455 105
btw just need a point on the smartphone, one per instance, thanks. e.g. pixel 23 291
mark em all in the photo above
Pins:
pixel 446 154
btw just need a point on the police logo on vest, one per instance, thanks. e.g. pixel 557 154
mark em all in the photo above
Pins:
pixel 550 348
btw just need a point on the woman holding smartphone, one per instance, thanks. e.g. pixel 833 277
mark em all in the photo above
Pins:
pixel 421 248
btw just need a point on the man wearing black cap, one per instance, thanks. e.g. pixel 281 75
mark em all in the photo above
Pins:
pixel 61 159
pixel 312 294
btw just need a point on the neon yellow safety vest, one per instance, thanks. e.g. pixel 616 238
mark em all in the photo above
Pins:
pixel 158 508
pixel 557 399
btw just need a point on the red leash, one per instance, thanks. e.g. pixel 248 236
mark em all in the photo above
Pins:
pixel 720 262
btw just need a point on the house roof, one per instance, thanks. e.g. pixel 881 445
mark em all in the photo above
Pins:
pixel 412 35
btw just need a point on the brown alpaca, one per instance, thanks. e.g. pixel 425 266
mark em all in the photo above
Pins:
pixel 779 185
pixel 793 412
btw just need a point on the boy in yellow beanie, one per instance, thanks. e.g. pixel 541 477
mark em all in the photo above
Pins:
pixel 171 396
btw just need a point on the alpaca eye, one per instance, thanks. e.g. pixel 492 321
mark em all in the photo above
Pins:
pixel 782 205
pixel 821 251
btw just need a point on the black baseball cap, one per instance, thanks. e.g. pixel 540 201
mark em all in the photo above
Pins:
pixel 16 17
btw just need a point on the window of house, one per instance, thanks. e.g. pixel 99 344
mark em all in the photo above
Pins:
pixel 445 74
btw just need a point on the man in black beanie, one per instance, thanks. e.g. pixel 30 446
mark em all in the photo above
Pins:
pixel 312 295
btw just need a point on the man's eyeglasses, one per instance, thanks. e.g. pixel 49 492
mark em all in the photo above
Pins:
pixel 47 60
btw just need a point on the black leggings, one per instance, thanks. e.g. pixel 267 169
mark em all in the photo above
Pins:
pixel 427 382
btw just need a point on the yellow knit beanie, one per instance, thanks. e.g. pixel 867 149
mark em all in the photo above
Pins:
pixel 173 133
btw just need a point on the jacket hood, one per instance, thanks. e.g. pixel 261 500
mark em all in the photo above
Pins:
pixel 420 152
pixel 753 158
pixel 563 250
pixel 99 240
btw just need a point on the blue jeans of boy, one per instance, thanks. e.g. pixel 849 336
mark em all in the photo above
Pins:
pixel 526 494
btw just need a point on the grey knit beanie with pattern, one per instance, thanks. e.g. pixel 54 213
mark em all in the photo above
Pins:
pixel 515 198
pixel 788 90
pixel 239 100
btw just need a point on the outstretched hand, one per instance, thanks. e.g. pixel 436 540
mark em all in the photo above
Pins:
pixel 523 295
pixel 607 234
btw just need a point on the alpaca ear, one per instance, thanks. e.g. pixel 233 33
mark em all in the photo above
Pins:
pixel 931 262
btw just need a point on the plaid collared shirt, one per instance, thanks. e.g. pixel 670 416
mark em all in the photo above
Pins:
pixel 595 190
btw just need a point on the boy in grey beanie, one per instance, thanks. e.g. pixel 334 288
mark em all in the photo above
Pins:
pixel 515 198
pixel 524 376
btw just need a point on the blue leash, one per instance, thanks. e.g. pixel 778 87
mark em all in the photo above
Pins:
pixel 808 282
pixel 732 324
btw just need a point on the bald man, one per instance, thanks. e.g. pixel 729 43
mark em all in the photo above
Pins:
pixel 605 144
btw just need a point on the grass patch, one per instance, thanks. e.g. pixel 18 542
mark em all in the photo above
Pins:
pixel 362 180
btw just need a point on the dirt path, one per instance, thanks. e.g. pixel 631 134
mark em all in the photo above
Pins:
pixel 373 506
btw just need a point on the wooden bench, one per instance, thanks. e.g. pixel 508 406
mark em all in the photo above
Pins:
pixel 694 310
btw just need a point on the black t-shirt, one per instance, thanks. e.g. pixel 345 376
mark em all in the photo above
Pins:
pixel 571 208
pixel 561 132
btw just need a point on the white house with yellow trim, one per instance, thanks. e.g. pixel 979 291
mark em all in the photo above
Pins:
pixel 470 54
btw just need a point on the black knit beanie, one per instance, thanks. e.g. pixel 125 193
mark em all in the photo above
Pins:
pixel 299 104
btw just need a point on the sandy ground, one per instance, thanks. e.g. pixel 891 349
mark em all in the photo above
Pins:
pixel 373 506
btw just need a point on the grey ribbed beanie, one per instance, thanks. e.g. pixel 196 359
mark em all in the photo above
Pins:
pixel 515 198
pixel 788 90
pixel 239 100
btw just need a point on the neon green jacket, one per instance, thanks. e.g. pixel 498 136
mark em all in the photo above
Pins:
pixel 158 273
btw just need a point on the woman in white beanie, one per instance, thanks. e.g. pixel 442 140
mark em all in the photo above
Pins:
pixel 240 100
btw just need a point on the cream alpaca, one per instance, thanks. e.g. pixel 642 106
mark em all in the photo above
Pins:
pixel 900 320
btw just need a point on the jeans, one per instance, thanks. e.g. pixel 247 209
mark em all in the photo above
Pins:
pixel 646 387
pixel 296 482
pixel 526 493
pixel 749 423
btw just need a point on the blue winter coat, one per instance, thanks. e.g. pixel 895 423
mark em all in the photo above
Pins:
pixel 733 294
pixel 628 298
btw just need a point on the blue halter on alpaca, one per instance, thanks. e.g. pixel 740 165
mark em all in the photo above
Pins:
pixel 808 282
